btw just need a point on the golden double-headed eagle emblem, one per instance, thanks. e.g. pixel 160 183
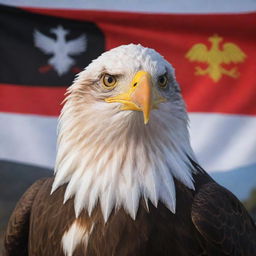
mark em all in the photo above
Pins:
pixel 215 57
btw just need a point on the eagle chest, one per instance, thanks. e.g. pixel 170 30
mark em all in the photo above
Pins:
pixel 153 232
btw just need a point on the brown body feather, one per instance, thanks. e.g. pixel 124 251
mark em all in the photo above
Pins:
pixel 208 221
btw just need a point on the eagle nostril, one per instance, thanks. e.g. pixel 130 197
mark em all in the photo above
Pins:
pixel 134 85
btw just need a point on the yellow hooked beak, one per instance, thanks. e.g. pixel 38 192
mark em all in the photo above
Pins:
pixel 140 95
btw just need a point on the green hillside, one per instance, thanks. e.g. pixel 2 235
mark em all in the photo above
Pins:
pixel 15 179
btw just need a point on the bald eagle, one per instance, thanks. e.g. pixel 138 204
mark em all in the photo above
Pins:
pixel 126 180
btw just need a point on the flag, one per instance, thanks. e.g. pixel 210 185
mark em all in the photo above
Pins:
pixel 214 56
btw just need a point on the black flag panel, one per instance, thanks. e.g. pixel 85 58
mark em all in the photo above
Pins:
pixel 48 50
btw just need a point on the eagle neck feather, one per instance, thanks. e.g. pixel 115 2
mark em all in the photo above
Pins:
pixel 110 156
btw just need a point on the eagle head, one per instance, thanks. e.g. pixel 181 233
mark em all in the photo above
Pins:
pixel 123 133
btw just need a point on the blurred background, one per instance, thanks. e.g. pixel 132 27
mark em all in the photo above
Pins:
pixel 211 44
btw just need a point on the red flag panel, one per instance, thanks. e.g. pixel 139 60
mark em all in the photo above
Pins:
pixel 31 100
pixel 232 92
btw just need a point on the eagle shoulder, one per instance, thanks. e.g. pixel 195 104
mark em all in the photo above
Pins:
pixel 198 52
pixel 223 221
pixel 232 53
pixel 77 45
pixel 17 232
pixel 46 44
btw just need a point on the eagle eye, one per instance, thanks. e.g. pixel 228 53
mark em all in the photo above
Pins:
pixel 162 81
pixel 109 81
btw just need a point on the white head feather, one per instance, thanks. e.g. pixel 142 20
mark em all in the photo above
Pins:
pixel 109 155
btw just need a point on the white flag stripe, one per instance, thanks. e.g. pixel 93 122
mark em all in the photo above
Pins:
pixel 221 142
pixel 146 6
pixel 28 139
